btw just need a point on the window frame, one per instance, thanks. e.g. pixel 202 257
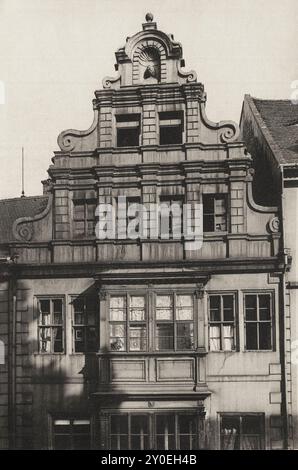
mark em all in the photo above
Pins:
pixel 172 199
pixel 174 321
pixel 51 298
pixel 242 415
pixel 84 202
pixel 84 326
pixel 164 121
pixel 71 418
pixel 127 295
pixel 257 292
pixel 152 426
pixel 235 321
pixel 132 121
pixel 225 197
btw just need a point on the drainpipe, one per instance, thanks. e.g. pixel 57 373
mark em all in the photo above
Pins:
pixel 282 345
pixel 11 356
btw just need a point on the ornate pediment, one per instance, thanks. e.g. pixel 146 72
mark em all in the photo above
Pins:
pixel 150 56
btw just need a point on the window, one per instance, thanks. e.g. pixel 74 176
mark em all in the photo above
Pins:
pixel 51 325
pixel 128 323
pixel 170 127
pixel 242 432
pixel 214 213
pixel 258 321
pixel 84 217
pixel 71 434
pixel 129 432
pixel 168 431
pixel 128 130
pixel 171 216
pixel 174 322
pixel 222 327
pixel 128 210
pixel 84 324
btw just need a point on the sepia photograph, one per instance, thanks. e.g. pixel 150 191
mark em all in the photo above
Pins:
pixel 149 227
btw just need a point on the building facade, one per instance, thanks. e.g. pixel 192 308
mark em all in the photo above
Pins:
pixel 145 342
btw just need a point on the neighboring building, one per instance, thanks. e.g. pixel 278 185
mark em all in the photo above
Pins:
pixel 139 344
pixel 270 131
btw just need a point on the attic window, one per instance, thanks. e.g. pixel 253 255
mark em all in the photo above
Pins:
pixel 128 130
pixel 170 127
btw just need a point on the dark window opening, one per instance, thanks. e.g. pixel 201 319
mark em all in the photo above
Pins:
pixel 84 324
pixel 214 213
pixel 84 218
pixel 242 432
pixel 71 434
pixel 128 130
pixel 171 216
pixel 170 128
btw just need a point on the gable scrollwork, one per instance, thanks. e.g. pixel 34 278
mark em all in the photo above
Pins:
pixel 23 228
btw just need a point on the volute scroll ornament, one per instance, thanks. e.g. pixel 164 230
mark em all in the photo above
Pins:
pixel 274 224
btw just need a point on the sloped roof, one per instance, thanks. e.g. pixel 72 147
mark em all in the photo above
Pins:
pixel 281 119
pixel 12 209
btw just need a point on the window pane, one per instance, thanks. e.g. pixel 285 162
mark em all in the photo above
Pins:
pixel 81 442
pixel 79 211
pixel 91 206
pixel 164 307
pixel 79 339
pixel 264 306
pixel 265 335
pixel 184 301
pixel 251 307
pixel 228 337
pixel 214 338
pixel 184 307
pixel 251 424
pixel 45 339
pixel 185 336
pixel 230 432
pixel 58 339
pixel 251 336
pixel 215 308
pixel 137 308
pixel 139 432
pixel 119 424
pixel 137 338
pixel 165 432
pixel 187 432
pixel 228 306
pixel 117 337
pixel 165 336
pixel 44 307
pixel 62 442
pixel 118 308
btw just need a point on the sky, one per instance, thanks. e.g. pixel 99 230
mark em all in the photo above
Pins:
pixel 55 53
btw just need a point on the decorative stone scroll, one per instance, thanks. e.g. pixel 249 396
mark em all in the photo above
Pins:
pixel 23 228
pixel 71 139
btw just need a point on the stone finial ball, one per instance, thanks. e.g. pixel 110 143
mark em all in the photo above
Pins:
pixel 149 17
